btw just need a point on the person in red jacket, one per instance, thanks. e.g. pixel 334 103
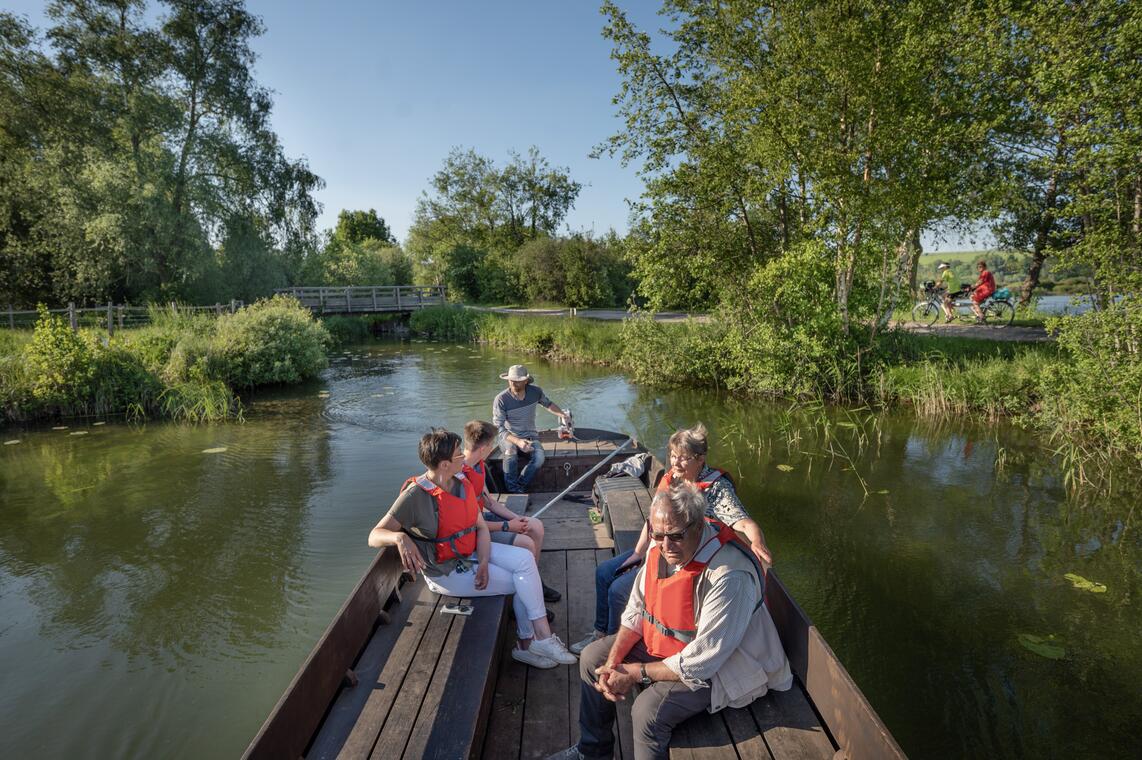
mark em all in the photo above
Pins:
pixel 983 288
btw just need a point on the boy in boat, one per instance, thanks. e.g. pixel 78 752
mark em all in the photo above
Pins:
pixel 695 635
pixel 513 413
pixel 504 525
pixel 436 525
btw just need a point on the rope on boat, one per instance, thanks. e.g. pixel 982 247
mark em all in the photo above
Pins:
pixel 582 477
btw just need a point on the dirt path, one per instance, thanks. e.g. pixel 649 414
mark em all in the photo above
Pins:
pixel 982 332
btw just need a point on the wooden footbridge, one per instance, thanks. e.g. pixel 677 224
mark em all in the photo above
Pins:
pixel 368 299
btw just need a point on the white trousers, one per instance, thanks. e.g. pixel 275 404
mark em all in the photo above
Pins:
pixel 511 570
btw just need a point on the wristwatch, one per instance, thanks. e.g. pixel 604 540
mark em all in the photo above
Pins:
pixel 506 526
pixel 645 679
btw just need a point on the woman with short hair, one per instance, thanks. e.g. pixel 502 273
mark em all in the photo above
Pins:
pixel 436 525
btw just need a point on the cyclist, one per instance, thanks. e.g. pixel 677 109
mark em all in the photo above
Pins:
pixel 982 289
pixel 944 277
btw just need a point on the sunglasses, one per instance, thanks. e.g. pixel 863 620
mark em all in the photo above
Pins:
pixel 675 537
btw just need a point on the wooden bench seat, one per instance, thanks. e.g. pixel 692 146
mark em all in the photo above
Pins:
pixel 423 681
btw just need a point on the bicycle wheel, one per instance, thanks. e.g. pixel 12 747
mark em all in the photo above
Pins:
pixel 999 313
pixel 925 313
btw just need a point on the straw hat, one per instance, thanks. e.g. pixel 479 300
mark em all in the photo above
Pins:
pixel 516 373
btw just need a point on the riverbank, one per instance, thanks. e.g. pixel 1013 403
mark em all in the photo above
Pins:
pixel 1081 395
pixel 182 366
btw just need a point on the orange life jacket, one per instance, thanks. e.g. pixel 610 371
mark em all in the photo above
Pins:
pixel 477 477
pixel 668 622
pixel 455 518
pixel 667 479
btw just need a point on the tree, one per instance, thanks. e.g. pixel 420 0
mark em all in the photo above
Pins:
pixel 476 216
pixel 768 126
pixel 136 154
pixel 360 226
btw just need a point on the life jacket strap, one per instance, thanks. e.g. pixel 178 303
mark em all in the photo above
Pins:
pixel 685 636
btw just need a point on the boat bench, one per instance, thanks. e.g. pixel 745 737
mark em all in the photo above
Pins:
pixel 421 685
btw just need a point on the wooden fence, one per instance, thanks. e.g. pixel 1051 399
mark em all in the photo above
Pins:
pixel 369 298
pixel 112 317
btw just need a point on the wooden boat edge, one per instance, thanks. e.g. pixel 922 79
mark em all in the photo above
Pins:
pixel 298 714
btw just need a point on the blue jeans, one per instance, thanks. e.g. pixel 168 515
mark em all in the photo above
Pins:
pixel 612 592
pixel 514 480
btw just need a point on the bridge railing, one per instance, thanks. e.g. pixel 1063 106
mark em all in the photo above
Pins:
pixel 368 298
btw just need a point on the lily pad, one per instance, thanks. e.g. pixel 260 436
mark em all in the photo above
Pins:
pixel 12 442
pixel 97 424
pixel 1044 647
pixel 785 467
pixel 1080 582
pixel 60 427
pixel 79 432
pixel 217 450
pixel 883 490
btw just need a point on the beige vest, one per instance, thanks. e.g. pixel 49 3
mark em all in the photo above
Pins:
pixel 758 664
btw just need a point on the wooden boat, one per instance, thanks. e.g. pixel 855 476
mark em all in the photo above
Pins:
pixel 392 678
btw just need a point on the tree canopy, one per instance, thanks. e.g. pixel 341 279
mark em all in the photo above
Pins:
pixel 137 158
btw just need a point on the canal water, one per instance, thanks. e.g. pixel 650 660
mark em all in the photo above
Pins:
pixel 160 583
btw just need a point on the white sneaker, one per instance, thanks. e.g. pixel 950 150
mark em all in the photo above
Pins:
pixel 553 649
pixel 532 658
pixel 586 641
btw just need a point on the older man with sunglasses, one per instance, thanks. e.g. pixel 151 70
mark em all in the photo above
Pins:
pixel 695 635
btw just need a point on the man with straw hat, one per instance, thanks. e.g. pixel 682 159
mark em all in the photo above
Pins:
pixel 513 412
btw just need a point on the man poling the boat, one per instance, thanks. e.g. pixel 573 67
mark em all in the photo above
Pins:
pixel 513 413
pixel 695 635
pixel 438 529
pixel 687 459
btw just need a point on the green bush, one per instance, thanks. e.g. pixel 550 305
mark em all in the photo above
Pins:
pixel 60 364
pixel 121 380
pixel 152 345
pixel 674 354
pixel 275 340
pixel 1096 392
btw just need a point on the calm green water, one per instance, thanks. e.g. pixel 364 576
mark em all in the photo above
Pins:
pixel 155 600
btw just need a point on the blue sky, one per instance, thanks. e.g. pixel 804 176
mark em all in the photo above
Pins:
pixel 375 94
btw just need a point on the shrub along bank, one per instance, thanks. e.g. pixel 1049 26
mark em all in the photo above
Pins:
pixel 1084 392
pixel 180 366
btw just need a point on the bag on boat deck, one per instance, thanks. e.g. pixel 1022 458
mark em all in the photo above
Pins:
pixel 634 466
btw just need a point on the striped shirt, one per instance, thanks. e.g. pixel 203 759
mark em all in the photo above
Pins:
pixel 515 416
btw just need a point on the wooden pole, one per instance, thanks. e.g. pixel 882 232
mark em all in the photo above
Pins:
pixel 374 298
pixel 110 320
pixel 233 308
pixel 348 301
pixel 398 296
pixel 72 317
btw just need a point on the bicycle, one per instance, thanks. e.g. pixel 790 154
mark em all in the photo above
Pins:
pixel 998 310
